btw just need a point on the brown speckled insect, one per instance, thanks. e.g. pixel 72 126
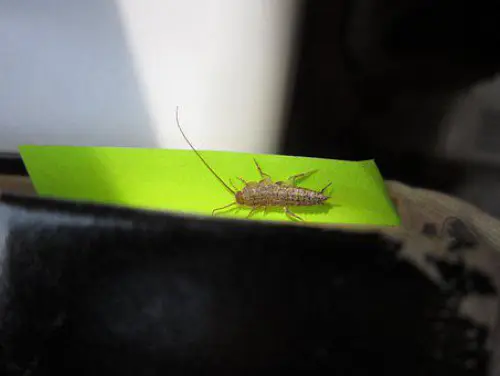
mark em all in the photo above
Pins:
pixel 265 193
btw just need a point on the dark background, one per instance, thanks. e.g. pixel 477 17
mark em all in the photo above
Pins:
pixel 376 77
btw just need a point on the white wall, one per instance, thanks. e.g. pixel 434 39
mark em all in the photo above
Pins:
pixel 102 72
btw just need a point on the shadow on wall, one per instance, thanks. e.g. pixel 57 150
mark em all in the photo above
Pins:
pixel 67 76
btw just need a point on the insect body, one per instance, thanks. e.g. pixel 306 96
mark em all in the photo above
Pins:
pixel 265 193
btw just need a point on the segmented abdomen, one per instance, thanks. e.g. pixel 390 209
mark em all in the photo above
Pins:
pixel 280 195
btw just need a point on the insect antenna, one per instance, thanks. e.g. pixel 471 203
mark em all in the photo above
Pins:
pixel 199 155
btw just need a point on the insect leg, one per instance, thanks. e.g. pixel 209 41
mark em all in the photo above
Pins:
pixel 232 185
pixel 289 213
pixel 262 173
pixel 324 189
pixel 254 209
pixel 223 207
pixel 293 179
pixel 242 180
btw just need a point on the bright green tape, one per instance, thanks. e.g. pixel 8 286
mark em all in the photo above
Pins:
pixel 177 180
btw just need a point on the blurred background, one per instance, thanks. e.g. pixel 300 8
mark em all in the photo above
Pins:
pixel 412 84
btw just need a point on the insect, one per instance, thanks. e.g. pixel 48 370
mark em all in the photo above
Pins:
pixel 266 193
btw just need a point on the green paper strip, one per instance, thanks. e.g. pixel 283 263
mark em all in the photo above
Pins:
pixel 176 180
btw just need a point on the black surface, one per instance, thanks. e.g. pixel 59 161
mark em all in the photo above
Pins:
pixel 12 164
pixel 90 290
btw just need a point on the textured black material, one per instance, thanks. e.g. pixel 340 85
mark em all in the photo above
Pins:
pixel 90 290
